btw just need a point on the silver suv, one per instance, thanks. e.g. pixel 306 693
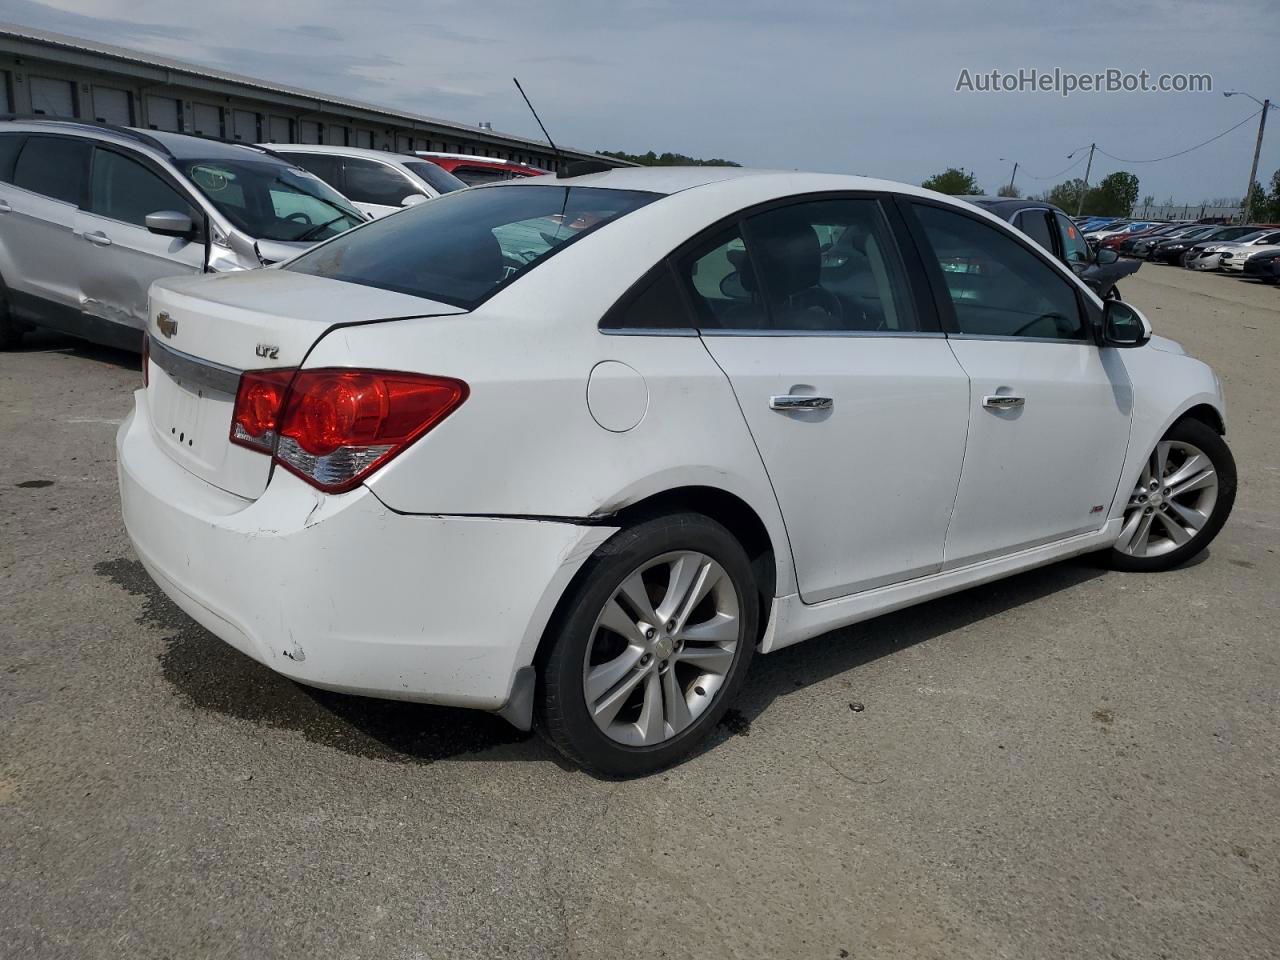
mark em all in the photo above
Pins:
pixel 376 181
pixel 90 215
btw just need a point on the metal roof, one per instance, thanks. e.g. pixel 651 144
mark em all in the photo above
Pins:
pixel 198 71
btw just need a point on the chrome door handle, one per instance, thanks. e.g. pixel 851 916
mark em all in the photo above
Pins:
pixel 795 402
pixel 100 238
pixel 4 207
pixel 1003 402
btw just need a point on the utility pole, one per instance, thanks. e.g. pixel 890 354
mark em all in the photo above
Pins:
pixel 1257 148
pixel 1015 172
pixel 1085 189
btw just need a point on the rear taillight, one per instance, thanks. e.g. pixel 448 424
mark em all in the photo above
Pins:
pixel 334 427
pixel 146 360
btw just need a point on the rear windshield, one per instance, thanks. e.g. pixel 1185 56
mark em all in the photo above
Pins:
pixel 438 177
pixel 461 248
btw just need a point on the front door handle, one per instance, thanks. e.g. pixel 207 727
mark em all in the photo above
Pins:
pixel 796 402
pixel 1003 402
pixel 4 207
pixel 99 238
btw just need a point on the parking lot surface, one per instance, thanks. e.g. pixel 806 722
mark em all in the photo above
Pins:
pixel 1070 763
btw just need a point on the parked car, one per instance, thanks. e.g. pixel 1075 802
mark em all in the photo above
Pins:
pixel 1234 259
pixel 1170 250
pixel 1120 230
pixel 473 170
pixel 1087 224
pixel 1207 255
pixel 1141 246
pixel 1054 230
pixel 713 411
pixel 1114 239
pixel 375 181
pixel 90 215
pixel 1263 266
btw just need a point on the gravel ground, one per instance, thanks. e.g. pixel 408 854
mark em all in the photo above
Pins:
pixel 1070 763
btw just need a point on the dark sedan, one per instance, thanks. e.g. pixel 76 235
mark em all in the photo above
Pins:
pixel 1140 246
pixel 1263 266
pixel 1171 251
pixel 1056 232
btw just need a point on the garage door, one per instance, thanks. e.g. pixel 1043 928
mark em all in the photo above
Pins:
pixel 245 126
pixel 308 131
pixel 206 120
pixel 53 98
pixel 364 138
pixel 112 106
pixel 163 113
pixel 281 130
pixel 336 135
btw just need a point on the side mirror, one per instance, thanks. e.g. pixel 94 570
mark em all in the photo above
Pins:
pixel 1123 325
pixel 170 223
pixel 1104 256
pixel 412 200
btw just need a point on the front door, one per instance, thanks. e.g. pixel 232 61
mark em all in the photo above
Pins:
pixel 1049 410
pixel 855 401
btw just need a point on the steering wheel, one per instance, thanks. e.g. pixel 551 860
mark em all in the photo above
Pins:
pixel 301 218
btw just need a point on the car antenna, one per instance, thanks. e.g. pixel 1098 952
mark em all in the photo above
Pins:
pixel 554 148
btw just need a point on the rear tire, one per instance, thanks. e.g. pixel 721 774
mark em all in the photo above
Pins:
pixel 649 646
pixel 1181 501
pixel 10 329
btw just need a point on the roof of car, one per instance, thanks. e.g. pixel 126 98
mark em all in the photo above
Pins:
pixel 386 155
pixel 486 161
pixel 659 179
pixel 183 146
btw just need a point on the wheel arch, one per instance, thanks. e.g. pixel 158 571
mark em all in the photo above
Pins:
pixel 1207 414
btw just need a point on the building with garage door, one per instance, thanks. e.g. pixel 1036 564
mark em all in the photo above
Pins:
pixel 52 74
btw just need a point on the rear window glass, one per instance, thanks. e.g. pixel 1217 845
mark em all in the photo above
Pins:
pixel 461 248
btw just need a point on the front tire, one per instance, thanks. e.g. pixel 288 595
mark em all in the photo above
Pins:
pixel 10 329
pixel 1183 497
pixel 649 647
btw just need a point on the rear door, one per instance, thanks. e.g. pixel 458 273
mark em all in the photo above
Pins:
pixel 122 258
pixel 39 212
pixel 854 399
pixel 1049 410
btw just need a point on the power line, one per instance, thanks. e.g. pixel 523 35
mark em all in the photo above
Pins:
pixel 1054 176
pixel 1204 143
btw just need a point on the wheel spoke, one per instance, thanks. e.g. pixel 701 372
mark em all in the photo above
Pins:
pixel 707 659
pixel 605 676
pixel 1190 467
pixel 678 716
pixel 1175 530
pixel 621 623
pixel 1124 543
pixel 1192 518
pixel 685 571
pixel 722 628
pixel 1200 481
pixel 652 722
pixel 1160 460
pixel 637 594
pixel 608 706
pixel 1138 546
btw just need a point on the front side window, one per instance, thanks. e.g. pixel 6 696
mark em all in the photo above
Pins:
pixel 10 145
pixel 1075 248
pixel 53 166
pixel 125 190
pixel 271 201
pixel 459 249
pixel 997 286
pixel 367 181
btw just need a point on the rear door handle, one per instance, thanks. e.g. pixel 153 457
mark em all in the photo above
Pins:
pixel 1003 402
pixel 98 237
pixel 795 402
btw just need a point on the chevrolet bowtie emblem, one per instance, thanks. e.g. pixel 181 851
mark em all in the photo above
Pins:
pixel 168 326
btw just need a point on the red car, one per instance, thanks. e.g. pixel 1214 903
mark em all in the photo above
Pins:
pixel 476 170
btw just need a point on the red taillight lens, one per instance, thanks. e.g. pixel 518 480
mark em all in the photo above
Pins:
pixel 334 427
pixel 146 360
pixel 259 399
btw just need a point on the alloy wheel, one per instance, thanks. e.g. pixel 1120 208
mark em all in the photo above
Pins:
pixel 1172 501
pixel 661 648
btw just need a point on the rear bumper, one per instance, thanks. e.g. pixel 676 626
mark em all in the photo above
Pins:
pixel 339 591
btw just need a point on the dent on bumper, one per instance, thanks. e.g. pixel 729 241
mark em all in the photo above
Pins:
pixel 339 591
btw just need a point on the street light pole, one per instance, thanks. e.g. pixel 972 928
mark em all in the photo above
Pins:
pixel 1257 149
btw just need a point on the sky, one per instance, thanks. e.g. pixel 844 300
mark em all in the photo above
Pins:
pixel 849 87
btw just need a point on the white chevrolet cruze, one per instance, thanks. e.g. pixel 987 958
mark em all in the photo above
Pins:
pixel 574 449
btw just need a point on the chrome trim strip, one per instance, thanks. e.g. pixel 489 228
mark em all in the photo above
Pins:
pixel 648 331
pixel 1080 342
pixel 195 370
pixel 882 334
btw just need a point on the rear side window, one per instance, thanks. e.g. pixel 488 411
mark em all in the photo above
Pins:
pixel 654 304
pixel 1075 248
pixel 324 166
pixel 10 144
pixel 998 287
pixel 367 181
pixel 125 190
pixel 53 166
pixel 462 247
pixel 1035 225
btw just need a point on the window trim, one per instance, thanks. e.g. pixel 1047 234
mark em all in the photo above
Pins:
pixel 151 167
pixel 926 312
pixel 942 295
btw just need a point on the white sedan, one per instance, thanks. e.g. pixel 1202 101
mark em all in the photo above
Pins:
pixel 575 449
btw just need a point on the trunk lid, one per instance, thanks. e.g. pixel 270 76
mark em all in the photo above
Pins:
pixel 206 330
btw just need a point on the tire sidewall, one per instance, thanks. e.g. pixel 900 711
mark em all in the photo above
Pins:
pixel 563 712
